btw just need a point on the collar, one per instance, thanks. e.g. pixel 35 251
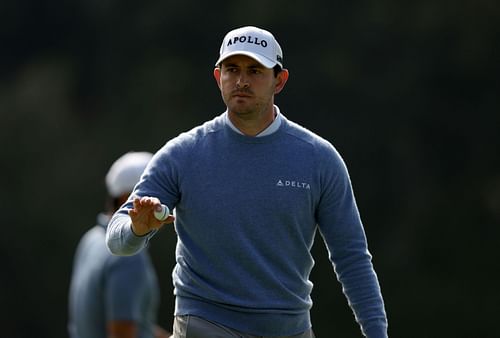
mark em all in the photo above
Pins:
pixel 268 131
pixel 103 219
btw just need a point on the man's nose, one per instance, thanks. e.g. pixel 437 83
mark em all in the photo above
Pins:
pixel 242 82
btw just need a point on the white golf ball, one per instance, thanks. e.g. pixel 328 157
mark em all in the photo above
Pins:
pixel 163 214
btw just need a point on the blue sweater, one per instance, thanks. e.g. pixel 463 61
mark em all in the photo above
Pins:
pixel 247 211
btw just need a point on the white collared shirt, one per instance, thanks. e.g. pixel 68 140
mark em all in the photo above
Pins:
pixel 268 131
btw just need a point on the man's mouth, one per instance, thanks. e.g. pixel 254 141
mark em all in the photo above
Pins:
pixel 240 93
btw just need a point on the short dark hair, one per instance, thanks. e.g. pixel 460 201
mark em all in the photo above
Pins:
pixel 277 69
pixel 112 203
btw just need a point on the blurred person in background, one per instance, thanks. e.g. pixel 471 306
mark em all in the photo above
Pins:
pixel 251 189
pixel 112 296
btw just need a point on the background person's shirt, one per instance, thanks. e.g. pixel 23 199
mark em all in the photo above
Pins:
pixel 105 287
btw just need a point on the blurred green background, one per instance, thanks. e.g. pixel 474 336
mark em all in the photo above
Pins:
pixel 407 91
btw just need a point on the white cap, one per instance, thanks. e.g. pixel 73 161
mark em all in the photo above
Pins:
pixel 126 172
pixel 254 42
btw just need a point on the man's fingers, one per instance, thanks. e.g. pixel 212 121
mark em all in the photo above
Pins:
pixel 144 208
pixel 149 201
pixel 136 202
pixel 168 220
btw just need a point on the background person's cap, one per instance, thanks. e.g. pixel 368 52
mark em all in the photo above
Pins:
pixel 254 42
pixel 125 172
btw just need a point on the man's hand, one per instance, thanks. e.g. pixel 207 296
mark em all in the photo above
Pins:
pixel 142 215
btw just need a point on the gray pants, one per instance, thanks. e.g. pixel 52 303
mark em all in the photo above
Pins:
pixel 196 327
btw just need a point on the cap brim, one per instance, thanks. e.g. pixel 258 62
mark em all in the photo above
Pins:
pixel 259 58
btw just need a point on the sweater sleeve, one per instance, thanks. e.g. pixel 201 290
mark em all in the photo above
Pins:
pixel 158 180
pixel 342 230
pixel 120 238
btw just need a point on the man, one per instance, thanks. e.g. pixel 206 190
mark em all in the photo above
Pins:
pixel 112 296
pixel 251 189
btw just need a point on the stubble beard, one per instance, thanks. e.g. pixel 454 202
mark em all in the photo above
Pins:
pixel 248 110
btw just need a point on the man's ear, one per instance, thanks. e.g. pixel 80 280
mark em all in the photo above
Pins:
pixel 217 75
pixel 281 80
